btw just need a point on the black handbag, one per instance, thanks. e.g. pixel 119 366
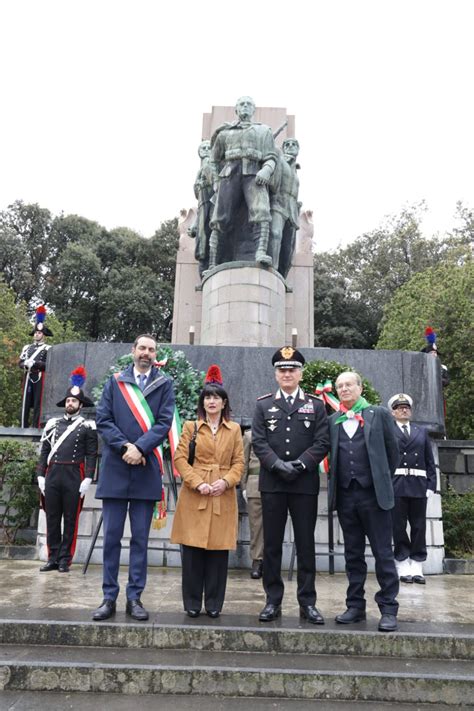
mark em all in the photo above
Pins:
pixel 192 446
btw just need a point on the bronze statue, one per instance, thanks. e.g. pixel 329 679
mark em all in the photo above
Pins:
pixel 243 160
pixel 284 207
pixel 204 191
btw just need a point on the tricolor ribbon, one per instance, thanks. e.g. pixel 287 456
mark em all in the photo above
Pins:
pixel 324 393
pixel 140 409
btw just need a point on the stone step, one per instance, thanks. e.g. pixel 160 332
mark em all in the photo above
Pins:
pixel 239 634
pixel 230 673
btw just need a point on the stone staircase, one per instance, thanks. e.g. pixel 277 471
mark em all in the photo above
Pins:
pixel 236 657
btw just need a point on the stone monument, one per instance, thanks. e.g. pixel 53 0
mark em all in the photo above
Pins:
pixel 253 284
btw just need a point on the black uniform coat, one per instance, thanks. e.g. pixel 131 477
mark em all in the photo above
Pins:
pixel 117 426
pixel 382 448
pixel 415 454
pixel 289 433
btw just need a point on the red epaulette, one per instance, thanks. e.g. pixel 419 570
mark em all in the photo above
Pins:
pixel 262 397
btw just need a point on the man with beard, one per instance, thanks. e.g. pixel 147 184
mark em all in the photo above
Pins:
pixel 65 470
pixel 133 418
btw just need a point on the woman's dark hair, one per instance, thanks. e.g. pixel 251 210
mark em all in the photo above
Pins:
pixel 213 389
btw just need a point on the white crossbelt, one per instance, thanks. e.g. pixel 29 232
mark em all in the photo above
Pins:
pixel 78 421
pixel 410 472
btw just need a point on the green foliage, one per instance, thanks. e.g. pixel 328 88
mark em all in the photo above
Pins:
pixel 187 381
pixel 318 371
pixel 443 298
pixel 353 284
pixel 18 494
pixel 458 523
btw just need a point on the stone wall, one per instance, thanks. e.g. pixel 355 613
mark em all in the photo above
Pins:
pixel 456 461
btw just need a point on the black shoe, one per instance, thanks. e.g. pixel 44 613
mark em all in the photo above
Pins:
pixel 419 579
pixel 50 565
pixel 63 568
pixel 193 613
pixel 136 610
pixel 406 579
pixel 257 569
pixel 213 613
pixel 106 610
pixel 352 614
pixel 388 623
pixel 270 612
pixel 312 614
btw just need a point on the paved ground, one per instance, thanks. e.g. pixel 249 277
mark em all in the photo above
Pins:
pixel 445 599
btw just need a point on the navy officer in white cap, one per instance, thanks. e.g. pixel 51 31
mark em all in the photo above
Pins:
pixel 290 437
pixel 414 482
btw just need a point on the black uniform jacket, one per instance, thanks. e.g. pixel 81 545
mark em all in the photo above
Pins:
pixel 416 454
pixel 382 449
pixel 289 433
pixel 80 446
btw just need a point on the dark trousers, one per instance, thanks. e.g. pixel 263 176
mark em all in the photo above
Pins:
pixel 409 509
pixel 303 510
pixel 360 516
pixel 62 501
pixel 32 399
pixel 140 514
pixel 204 572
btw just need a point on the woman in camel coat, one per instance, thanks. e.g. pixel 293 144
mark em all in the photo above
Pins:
pixel 206 518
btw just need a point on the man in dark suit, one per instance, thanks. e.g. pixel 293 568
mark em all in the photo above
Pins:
pixel 290 438
pixel 414 483
pixel 133 418
pixel 364 455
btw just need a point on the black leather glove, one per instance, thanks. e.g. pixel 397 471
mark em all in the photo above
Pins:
pixel 285 471
pixel 298 465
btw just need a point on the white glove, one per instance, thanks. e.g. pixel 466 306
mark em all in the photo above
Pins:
pixel 244 495
pixel 29 363
pixel 85 484
pixel 429 493
pixel 41 484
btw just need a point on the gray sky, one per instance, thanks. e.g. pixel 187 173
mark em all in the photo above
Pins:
pixel 103 102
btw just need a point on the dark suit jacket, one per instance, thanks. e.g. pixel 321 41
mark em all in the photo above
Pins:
pixel 117 426
pixel 289 433
pixel 417 453
pixel 382 448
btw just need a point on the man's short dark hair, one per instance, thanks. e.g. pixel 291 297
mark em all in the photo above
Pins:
pixel 144 335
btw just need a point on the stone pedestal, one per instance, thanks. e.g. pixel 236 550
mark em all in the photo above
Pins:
pixel 243 305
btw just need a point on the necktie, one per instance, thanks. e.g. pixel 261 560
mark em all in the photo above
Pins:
pixel 142 382
pixel 289 400
pixel 405 432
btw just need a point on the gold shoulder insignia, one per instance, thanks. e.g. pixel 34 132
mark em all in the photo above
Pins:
pixel 262 397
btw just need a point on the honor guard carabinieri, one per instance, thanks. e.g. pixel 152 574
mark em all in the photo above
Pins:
pixel 290 438
pixel 65 471
pixel 33 363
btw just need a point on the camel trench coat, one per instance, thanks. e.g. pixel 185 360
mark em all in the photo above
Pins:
pixel 208 522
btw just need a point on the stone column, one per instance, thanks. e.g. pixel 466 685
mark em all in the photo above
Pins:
pixel 300 299
pixel 243 305
pixel 187 294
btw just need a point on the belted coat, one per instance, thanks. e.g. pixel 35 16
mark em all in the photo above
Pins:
pixel 415 453
pixel 117 425
pixel 208 522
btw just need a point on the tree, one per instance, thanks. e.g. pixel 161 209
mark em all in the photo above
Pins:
pixel 441 297
pixel 353 284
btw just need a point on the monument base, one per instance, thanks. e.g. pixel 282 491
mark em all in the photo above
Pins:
pixel 243 305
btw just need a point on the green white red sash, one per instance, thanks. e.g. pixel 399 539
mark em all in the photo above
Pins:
pixel 324 393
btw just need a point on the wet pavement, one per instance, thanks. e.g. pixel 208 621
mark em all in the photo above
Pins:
pixel 24 591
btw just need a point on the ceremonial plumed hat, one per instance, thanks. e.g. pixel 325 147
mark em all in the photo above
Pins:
pixel 400 399
pixel 39 322
pixel 288 357
pixel 77 378
pixel 431 346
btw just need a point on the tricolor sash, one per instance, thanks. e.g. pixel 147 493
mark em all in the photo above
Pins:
pixel 324 393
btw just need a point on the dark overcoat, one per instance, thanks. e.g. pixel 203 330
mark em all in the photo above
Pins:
pixel 382 448
pixel 117 426
pixel 416 453
pixel 299 431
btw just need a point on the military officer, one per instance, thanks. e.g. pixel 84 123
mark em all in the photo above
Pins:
pixel 33 362
pixel 413 484
pixel 65 471
pixel 290 437
pixel 251 494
